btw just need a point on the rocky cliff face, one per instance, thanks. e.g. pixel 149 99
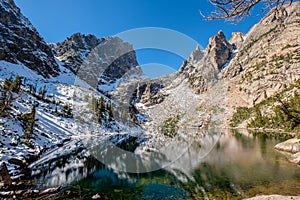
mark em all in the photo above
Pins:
pixel 268 59
pixel 237 39
pixel 20 42
pixel 119 63
pixel 102 63
pixel 218 51
pixel 259 63
pixel 248 68
pixel 202 66
pixel 75 49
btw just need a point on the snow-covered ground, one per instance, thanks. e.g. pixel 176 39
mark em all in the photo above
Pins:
pixel 51 130
pixel 55 136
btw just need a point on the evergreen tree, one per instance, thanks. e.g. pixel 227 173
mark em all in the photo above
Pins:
pixel 6 97
pixel 28 122
pixel 102 104
pixel 110 110
pixel 44 92
pixel 16 84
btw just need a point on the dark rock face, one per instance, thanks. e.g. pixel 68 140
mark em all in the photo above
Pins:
pixel 148 93
pixel 75 49
pixel 98 61
pixel 122 63
pixel 20 42
pixel 102 63
pixel 16 161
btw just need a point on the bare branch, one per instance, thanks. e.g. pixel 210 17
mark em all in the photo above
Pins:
pixel 237 10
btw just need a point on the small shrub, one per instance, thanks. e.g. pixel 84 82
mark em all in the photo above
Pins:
pixel 170 126
pixel 241 114
pixel 67 111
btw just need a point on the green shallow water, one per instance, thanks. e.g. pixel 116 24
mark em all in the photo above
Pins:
pixel 239 165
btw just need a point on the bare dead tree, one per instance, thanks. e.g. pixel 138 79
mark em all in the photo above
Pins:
pixel 237 10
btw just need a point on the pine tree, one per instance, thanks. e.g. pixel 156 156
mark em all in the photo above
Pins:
pixel 7 83
pixel 102 104
pixel 16 84
pixel 44 92
pixel 6 97
pixel 110 110
pixel 34 88
pixel 56 111
pixel 28 122
pixel 24 81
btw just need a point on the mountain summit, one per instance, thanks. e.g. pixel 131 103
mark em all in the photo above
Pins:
pixel 21 43
pixel 102 62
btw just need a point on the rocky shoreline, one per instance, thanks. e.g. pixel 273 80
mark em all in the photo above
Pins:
pixel 274 197
pixel 292 146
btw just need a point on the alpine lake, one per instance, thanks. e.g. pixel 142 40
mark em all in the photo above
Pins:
pixel 241 164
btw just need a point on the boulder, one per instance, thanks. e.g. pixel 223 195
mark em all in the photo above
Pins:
pixel 295 158
pixel 291 145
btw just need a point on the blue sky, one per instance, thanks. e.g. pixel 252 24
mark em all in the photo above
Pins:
pixel 58 19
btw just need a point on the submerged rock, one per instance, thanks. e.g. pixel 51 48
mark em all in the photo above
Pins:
pixel 96 196
pixel 295 158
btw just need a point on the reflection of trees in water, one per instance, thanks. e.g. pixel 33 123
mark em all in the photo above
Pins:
pixel 211 181
pixel 120 185
pixel 262 138
pixel 243 139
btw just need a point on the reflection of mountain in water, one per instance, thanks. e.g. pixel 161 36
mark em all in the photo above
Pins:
pixel 175 155
pixel 117 153
pixel 236 165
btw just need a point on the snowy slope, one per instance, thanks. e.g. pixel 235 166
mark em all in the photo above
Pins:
pixel 51 131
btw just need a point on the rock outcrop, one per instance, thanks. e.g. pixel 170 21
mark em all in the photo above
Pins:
pixel 237 39
pixel 20 42
pixel 291 146
pixel 148 93
pixel 202 66
pixel 75 49
pixel 218 50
